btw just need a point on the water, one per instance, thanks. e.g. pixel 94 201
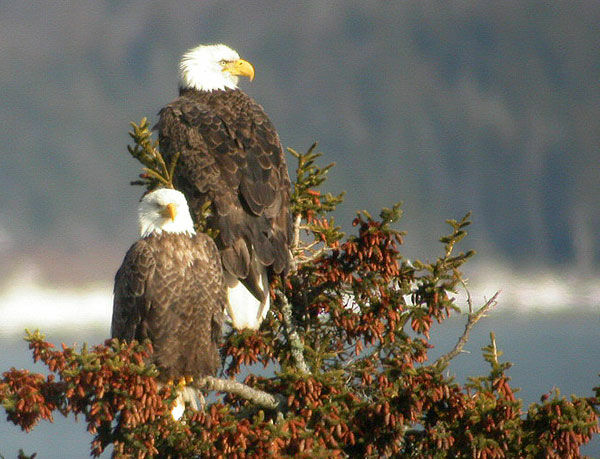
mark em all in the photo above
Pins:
pixel 64 438
pixel 550 347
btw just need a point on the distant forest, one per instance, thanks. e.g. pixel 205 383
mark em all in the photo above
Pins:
pixel 492 107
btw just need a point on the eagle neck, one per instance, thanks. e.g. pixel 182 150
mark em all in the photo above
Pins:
pixel 160 236
pixel 194 93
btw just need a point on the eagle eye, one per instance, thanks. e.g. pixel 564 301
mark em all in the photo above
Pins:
pixel 223 62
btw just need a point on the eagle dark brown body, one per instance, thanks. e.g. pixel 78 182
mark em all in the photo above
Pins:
pixel 169 290
pixel 230 154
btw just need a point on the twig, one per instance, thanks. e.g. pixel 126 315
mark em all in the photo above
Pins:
pixel 494 348
pixel 255 396
pixel 303 259
pixel 464 284
pixel 304 253
pixel 473 319
pixel 296 346
pixel 311 245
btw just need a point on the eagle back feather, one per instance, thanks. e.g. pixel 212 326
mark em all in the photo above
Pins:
pixel 231 155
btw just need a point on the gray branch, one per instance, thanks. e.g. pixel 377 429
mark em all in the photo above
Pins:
pixel 473 319
pixel 296 346
pixel 296 240
pixel 255 396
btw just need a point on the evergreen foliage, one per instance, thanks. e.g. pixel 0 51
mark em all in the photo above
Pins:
pixel 156 173
pixel 145 150
pixel 347 343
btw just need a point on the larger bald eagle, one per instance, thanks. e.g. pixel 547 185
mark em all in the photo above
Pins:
pixel 170 290
pixel 230 155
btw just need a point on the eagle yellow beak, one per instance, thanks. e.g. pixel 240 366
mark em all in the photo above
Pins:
pixel 240 68
pixel 169 211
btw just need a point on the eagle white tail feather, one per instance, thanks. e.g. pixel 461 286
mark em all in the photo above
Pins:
pixel 244 309
pixel 178 409
pixel 186 395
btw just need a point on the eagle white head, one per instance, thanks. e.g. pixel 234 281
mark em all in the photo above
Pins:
pixel 212 67
pixel 164 210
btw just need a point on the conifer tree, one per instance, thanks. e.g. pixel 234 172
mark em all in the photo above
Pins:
pixel 346 350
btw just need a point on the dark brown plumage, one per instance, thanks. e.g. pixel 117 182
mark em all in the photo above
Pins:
pixel 230 154
pixel 169 290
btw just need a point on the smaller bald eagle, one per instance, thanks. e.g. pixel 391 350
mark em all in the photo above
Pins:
pixel 170 290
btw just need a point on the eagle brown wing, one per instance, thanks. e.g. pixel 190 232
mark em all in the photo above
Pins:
pixel 210 278
pixel 130 301
pixel 230 154
pixel 170 290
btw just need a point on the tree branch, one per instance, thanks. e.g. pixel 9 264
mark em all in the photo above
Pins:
pixel 494 348
pixel 464 284
pixel 255 396
pixel 296 346
pixel 296 240
pixel 473 319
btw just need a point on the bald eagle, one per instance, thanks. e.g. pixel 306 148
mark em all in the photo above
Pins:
pixel 231 156
pixel 170 290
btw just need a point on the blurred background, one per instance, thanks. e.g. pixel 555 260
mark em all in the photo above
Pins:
pixel 489 107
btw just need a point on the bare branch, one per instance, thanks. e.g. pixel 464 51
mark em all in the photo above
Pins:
pixel 303 259
pixel 464 284
pixel 473 319
pixel 255 396
pixel 304 252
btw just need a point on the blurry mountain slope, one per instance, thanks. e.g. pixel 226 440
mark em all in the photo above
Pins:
pixel 484 106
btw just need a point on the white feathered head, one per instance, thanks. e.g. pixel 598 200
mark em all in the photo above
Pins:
pixel 212 67
pixel 164 210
